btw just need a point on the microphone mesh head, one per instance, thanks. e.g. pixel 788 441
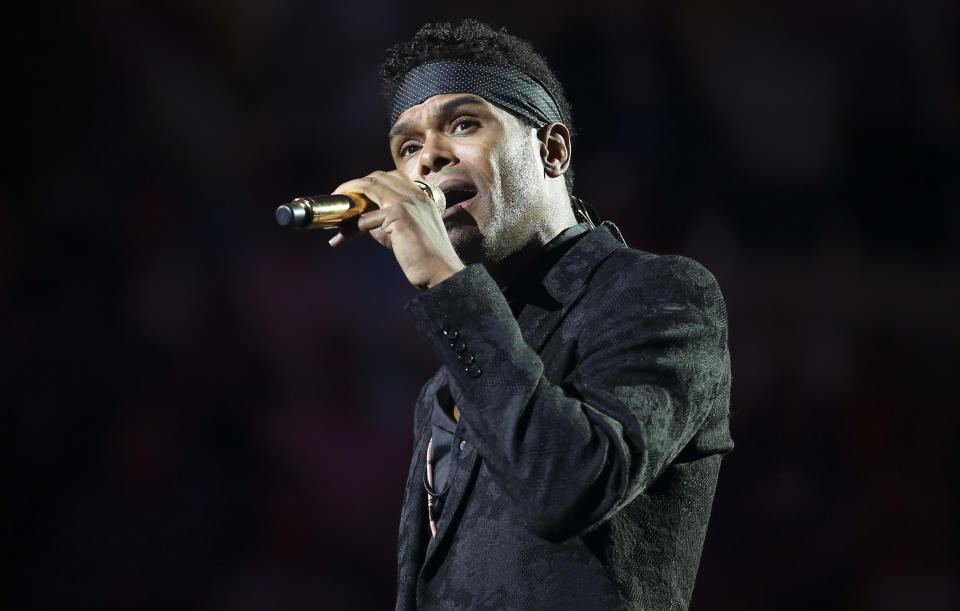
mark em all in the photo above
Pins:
pixel 435 194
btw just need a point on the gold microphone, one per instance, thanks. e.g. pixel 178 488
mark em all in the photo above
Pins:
pixel 328 211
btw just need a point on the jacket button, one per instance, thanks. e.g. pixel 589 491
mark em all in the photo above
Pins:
pixel 458 346
pixel 463 444
pixel 451 335
pixel 473 371
pixel 466 358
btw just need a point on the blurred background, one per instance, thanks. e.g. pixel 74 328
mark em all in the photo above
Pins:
pixel 204 411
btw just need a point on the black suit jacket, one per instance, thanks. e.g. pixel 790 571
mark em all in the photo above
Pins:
pixel 591 435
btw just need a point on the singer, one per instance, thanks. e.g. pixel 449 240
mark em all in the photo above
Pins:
pixel 566 453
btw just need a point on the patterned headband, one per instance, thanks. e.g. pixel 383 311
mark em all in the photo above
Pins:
pixel 505 86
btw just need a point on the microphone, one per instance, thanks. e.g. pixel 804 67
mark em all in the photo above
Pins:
pixel 328 211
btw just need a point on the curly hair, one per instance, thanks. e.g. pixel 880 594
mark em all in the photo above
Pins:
pixel 471 39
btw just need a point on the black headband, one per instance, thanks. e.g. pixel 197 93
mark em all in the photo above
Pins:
pixel 504 86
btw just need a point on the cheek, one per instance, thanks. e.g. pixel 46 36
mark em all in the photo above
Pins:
pixel 403 166
pixel 518 166
pixel 480 160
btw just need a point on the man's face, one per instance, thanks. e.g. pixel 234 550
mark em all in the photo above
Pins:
pixel 486 162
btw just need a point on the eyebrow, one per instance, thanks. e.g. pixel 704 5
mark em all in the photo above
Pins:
pixel 444 109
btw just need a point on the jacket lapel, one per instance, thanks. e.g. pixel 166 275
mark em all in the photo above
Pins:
pixel 563 285
pixel 468 463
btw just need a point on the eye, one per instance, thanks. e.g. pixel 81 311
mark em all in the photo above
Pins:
pixel 464 124
pixel 408 148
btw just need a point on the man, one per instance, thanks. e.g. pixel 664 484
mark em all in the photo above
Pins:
pixel 567 451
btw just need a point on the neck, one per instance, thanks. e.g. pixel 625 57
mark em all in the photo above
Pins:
pixel 558 216
pixel 506 269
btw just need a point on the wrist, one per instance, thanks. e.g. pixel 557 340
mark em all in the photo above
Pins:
pixel 444 271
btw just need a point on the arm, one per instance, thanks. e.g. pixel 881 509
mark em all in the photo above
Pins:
pixel 651 357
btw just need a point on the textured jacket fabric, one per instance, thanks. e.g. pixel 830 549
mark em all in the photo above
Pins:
pixel 591 433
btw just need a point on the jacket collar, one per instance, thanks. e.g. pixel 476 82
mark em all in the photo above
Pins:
pixel 567 278
pixel 555 287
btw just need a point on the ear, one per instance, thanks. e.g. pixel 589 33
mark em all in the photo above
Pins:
pixel 554 148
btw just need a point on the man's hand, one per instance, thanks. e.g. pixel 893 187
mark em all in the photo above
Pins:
pixel 408 223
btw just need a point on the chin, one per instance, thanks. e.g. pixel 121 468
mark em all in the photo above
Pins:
pixel 467 242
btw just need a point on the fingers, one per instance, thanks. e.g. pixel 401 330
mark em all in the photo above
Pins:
pixel 371 220
pixel 387 189
pixel 375 223
pixel 346 231
pixel 382 238
pixel 384 188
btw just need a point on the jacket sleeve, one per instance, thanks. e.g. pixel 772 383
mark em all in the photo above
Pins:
pixel 651 357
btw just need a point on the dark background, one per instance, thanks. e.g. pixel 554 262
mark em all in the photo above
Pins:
pixel 204 411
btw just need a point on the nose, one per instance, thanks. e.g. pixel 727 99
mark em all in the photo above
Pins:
pixel 436 154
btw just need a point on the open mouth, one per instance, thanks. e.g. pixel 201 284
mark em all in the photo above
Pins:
pixel 459 194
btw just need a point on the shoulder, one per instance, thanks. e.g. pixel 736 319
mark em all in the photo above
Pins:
pixel 632 285
pixel 631 269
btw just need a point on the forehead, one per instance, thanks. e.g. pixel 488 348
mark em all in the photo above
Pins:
pixel 438 105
